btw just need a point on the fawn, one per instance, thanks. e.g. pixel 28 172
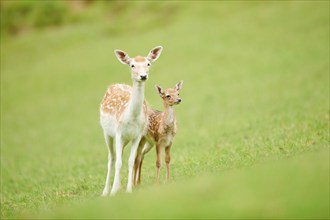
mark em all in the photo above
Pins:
pixel 123 116
pixel 161 131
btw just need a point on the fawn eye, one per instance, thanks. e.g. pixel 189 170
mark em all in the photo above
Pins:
pixel 132 66
pixel 148 64
pixel 168 96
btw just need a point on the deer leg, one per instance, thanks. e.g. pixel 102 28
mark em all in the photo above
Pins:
pixel 158 162
pixel 131 160
pixel 119 150
pixel 111 156
pixel 140 167
pixel 135 171
pixel 138 161
pixel 146 149
pixel 167 160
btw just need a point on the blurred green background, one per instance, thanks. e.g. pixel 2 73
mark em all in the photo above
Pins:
pixel 253 128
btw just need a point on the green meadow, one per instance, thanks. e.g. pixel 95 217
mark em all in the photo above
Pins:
pixel 253 127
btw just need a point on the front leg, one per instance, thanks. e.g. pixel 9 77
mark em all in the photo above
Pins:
pixel 131 160
pixel 119 153
pixel 167 160
pixel 158 162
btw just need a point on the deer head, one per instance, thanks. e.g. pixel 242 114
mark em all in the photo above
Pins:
pixel 170 96
pixel 139 65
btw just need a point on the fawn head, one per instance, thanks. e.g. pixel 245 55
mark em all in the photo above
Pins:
pixel 170 96
pixel 139 65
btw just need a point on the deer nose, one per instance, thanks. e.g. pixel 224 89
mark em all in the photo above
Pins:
pixel 144 77
pixel 179 100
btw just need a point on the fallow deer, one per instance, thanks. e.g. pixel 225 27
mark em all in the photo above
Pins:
pixel 123 116
pixel 161 132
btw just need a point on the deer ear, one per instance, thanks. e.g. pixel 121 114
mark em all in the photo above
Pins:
pixel 178 86
pixel 159 90
pixel 122 57
pixel 154 53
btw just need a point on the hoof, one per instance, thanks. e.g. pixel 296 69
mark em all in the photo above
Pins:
pixel 105 193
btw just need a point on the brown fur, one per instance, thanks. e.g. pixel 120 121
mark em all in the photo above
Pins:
pixel 116 100
pixel 140 59
pixel 161 131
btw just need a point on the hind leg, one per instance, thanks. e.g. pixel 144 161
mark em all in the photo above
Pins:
pixel 138 162
pixel 146 148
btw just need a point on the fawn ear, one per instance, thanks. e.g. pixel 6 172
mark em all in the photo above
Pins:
pixel 159 90
pixel 178 86
pixel 154 53
pixel 122 56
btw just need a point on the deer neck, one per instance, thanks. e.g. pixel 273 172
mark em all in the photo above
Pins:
pixel 168 115
pixel 135 106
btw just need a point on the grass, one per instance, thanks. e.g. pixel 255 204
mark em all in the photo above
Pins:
pixel 267 192
pixel 253 137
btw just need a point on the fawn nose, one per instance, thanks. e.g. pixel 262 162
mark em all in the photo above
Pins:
pixel 144 77
pixel 179 100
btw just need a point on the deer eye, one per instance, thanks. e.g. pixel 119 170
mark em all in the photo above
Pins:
pixel 132 66
pixel 168 96
pixel 148 64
